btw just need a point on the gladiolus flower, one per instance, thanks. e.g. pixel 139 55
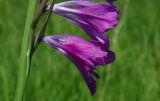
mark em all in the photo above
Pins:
pixel 86 55
pixel 94 18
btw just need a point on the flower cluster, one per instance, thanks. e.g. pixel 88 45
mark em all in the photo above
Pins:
pixel 95 19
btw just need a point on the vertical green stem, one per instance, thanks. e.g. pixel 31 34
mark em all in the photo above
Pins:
pixel 25 54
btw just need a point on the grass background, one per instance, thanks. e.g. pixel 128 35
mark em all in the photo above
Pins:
pixel 134 76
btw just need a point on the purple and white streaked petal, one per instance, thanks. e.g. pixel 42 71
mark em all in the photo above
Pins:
pixel 86 55
pixel 94 18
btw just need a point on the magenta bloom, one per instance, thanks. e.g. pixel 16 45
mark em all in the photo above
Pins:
pixel 86 55
pixel 94 18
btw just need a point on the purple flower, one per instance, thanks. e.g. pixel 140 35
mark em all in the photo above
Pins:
pixel 94 18
pixel 86 55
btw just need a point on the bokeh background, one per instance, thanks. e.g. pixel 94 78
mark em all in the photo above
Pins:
pixel 134 76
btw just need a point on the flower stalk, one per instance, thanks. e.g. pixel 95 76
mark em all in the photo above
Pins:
pixel 38 36
pixel 25 54
pixel 30 43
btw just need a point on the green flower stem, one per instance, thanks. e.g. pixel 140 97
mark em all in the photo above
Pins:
pixel 25 57
pixel 43 27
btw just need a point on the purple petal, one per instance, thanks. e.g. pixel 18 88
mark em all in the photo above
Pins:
pixel 94 18
pixel 86 55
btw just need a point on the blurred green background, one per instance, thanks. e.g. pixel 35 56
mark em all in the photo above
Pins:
pixel 134 76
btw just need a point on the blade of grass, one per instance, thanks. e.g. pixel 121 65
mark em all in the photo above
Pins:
pixel 4 75
pixel 121 23
pixel 24 58
pixel 116 33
